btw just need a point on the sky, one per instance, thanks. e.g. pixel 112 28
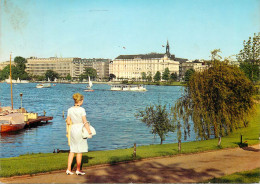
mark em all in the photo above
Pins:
pixel 109 28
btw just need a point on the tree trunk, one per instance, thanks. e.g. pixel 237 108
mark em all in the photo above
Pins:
pixel 161 141
pixel 219 141
pixel 179 145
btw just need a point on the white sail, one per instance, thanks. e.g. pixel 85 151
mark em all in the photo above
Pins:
pixel 89 83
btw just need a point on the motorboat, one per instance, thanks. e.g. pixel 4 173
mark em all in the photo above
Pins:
pixel 43 85
pixel 127 87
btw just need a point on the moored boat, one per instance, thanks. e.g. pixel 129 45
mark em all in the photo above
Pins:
pixel 12 122
pixel 43 85
pixel 127 87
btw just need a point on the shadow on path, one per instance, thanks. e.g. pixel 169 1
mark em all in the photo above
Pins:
pixel 147 173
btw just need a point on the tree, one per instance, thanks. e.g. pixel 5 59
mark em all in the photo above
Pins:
pixel 68 77
pixel 166 74
pixel 173 76
pixel 111 76
pixel 188 74
pixel 157 76
pixel 5 73
pixel 217 100
pixel 20 63
pixel 215 55
pixel 91 72
pixel 158 118
pixel 50 74
pixel 143 74
pixel 249 58
pixel 149 76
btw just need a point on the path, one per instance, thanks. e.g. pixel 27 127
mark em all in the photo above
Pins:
pixel 184 168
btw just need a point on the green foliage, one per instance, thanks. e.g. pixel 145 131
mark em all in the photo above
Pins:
pixel 251 176
pixel 157 76
pixel 143 74
pixel 249 58
pixel 158 118
pixel 91 72
pixel 18 70
pixel 20 63
pixel 218 100
pixel 166 74
pixel 173 76
pixel 50 74
pixel 188 74
pixel 68 77
pixel 252 71
pixel 149 77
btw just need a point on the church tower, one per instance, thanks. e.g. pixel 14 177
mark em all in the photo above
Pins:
pixel 168 50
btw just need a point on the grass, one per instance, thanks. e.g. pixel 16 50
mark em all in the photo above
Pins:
pixel 252 176
pixel 45 162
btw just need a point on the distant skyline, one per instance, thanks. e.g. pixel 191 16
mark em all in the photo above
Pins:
pixel 109 28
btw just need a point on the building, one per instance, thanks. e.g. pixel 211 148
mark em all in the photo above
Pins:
pixel 4 64
pixel 67 66
pixel 132 66
pixel 39 66
pixel 101 65
pixel 196 65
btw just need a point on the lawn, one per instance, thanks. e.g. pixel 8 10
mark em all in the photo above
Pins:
pixel 36 163
pixel 252 176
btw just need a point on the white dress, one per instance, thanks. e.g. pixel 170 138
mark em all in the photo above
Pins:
pixel 77 143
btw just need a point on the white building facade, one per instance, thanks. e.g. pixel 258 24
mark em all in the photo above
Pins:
pixel 132 66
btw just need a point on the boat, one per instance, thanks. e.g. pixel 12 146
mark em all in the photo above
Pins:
pixel 89 87
pixel 12 122
pixel 127 87
pixel 43 85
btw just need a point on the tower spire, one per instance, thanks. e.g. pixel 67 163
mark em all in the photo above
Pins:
pixel 168 49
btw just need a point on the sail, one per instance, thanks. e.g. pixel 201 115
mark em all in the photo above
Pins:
pixel 89 83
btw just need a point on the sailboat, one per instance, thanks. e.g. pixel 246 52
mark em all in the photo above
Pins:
pixel 89 87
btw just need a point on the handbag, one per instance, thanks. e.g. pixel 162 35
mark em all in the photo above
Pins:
pixel 85 133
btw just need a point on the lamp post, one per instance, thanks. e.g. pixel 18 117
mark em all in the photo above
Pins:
pixel 21 95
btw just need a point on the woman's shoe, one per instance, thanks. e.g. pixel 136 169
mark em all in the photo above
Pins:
pixel 80 173
pixel 69 172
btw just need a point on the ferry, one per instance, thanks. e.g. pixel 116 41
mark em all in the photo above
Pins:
pixel 128 87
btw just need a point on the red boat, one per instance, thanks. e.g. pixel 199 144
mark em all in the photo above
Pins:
pixel 12 122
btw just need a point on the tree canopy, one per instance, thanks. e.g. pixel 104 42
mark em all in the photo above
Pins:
pixel 18 70
pixel 217 100
pixel 158 118
pixel 166 74
pixel 188 74
pixel 50 74
pixel 173 76
pixel 157 76
pixel 249 58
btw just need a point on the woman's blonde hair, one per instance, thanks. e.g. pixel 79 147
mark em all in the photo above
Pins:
pixel 77 97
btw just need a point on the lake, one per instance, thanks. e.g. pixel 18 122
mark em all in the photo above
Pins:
pixel 112 113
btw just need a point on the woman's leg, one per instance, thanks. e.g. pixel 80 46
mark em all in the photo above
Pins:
pixel 70 159
pixel 79 158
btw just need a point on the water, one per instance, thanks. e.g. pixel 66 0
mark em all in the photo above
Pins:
pixel 112 113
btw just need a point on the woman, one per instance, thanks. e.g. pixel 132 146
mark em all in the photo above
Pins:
pixel 77 119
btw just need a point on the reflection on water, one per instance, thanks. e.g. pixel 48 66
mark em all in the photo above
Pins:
pixel 112 113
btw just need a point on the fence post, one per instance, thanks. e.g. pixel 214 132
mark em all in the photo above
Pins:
pixel 134 153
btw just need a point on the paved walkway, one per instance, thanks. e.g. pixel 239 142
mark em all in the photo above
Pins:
pixel 184 168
